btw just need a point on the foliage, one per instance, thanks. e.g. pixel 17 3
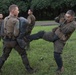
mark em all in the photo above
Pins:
pixel 4 5
pixel 40 4
pixel 42 8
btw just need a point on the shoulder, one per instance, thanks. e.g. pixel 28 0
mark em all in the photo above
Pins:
pixel 74 22
pixel 6 18
pixel 33 17
pixel 13 19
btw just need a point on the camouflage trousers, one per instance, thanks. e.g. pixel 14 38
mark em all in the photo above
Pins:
pixel 7 48
pixel 58 44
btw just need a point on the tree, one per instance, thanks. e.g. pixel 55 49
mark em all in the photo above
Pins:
pixel 4 5
pixel 43 9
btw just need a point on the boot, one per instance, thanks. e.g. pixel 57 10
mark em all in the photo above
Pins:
pixel 1 64
pixel 30 70
pixel 36 36
pixel 59 71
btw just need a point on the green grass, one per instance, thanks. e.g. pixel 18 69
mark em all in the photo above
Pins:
pixel 41 57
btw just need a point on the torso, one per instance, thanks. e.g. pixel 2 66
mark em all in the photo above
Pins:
pixel 9 23
pixel 68 29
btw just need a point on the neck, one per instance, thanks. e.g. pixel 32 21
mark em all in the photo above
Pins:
pixel 30 14
pixel 11 14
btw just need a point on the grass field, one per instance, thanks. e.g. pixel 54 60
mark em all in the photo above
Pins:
pixel 41 57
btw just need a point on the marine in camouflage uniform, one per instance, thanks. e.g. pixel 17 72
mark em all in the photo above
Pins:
pixel 11 31
pixel 58 36
pixel 67 29
pixel 31 20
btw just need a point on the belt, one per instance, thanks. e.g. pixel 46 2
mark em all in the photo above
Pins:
pixel 9 38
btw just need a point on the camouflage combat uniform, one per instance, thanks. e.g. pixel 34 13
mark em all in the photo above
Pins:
pixel 9 41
